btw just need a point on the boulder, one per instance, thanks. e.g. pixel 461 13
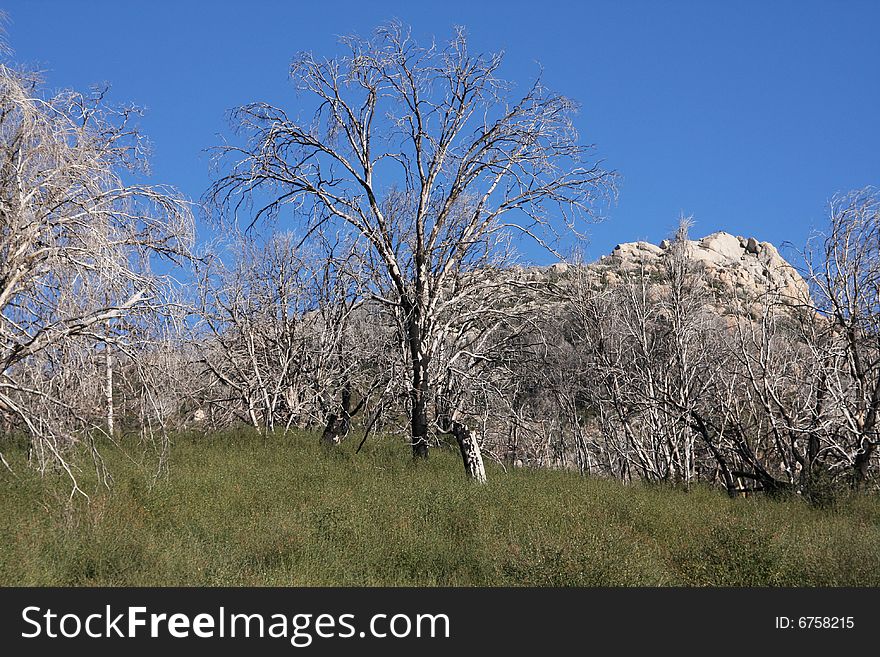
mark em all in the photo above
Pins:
pixel 724 244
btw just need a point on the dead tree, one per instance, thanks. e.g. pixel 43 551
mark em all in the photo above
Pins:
pixel 76 249
pixel 844 275
pixel 426 155
pixel 285 338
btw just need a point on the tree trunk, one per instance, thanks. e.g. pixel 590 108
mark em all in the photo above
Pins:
pixel 419 421
pixel 468 445
pixel 419 389
pixel 338 424
pixel 729 481
pixel 471 455
pixel 108 388
pixel 336 430
pixel 860 465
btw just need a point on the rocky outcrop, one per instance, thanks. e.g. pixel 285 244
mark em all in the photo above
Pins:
pixel 730 265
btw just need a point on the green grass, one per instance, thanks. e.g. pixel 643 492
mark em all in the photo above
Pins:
pixel 241 510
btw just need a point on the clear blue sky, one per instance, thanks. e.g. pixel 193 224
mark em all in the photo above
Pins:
pixel 748 115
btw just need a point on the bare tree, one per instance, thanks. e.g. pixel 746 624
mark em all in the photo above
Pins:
pixel 844 273
pixel 763 389
pixel 657 375
pixel 77 249
pixel 807 372
pixel 641 344
pixel 428 156
pixel 285 338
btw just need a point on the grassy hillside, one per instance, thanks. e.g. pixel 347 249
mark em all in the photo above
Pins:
pixel 240 510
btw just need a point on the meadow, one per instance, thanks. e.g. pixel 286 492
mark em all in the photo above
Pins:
pixel 244 510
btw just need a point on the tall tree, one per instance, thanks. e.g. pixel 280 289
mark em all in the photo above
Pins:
pixel 431 158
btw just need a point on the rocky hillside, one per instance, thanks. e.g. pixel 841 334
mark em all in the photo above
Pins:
pixel 730 265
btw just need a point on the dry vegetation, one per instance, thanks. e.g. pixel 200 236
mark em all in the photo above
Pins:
pixel 393 314
pixel 243 510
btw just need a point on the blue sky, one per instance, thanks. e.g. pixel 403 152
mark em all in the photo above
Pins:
pixel 748 115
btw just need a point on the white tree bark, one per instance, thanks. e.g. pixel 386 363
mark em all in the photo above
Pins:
pixel 108 388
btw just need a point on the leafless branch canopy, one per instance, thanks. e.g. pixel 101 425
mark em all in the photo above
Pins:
pixel 78 246
pixel 427 155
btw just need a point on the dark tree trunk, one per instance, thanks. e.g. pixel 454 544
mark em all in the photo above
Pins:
pixel 419 422
pixel 336 430
pixel 338 424
pixel 419 389
pixel 723 468
pixel 860 465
